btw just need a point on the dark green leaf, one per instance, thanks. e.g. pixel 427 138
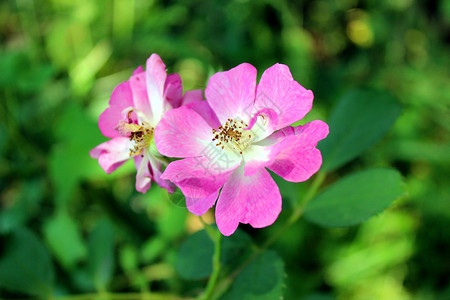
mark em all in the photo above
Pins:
pixel 101 254
pixel 317 296
pixel 361 118
pixel 355 198
pixel 26 199
pixel 194 260
pixel 3 139
pixel 262 279
pixel 26 267
pixel 233 246
pixel 23 74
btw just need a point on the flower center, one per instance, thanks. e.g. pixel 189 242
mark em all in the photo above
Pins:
pixel 140 136
pixel 232 136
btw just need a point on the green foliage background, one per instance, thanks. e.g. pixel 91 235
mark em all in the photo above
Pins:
pixel 61 59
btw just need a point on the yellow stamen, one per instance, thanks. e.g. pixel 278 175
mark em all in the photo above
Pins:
pixel 140 136
pixel 233 136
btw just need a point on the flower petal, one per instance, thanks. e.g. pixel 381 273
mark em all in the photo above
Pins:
pixel 277 90
pixel 108 121
pixel 143 176
pixel 192 96
pixel 182 132
pixel 197 177
pixel 296 157
pixel 140 97
pixel 138 70
pixel 173 90
pixel 263 124
pixel 256 157
pixel 204 110
pixel 155 78
pixel 231 93
pixel 112 154
pixel 121 98
pixel 252 199
pixel 156 168
pixel 199 206
pixel 277 136
pixel 152 172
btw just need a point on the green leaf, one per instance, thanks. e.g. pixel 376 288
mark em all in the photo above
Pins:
pixel 355 198
pixel 194 259
pixel 20 73
pixel 152 248
pixel 233 246
pixel 65 239
pixel 101 254
pixel 25 266
pixel 70 161
pixel 360 119
pixel 128 258
pixel 262 279
pixel 171 224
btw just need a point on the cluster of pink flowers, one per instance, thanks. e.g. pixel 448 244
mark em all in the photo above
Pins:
pixel 226 143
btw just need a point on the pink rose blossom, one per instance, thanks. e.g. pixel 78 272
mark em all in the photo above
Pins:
pixel 228 141
pixel 135 108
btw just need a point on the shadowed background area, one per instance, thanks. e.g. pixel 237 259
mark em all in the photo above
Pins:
pixel 92 232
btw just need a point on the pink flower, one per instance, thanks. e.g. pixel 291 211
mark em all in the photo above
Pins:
pixel 228 142
pixel 135 108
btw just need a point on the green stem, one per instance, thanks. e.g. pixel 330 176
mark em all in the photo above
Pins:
pixel 217 239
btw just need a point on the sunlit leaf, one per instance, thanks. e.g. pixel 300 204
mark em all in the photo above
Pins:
pixel 83 73
pixel 360 119
pixel 381 244
pixel 172 223
pixel 128 258
pixel 355 198
pixel 65 239
pixel 152 248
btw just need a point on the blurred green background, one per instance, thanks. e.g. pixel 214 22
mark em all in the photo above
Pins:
pixel 61 59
